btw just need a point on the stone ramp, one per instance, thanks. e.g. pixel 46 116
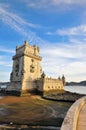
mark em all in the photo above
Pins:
pixel 81 124
pixel 76 116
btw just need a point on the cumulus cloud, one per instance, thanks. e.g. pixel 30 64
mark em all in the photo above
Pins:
pixel 79 30
pixel 69 60
pixel 73 31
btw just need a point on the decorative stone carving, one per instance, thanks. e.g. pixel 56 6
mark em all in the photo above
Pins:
pixel 32 66
pixel 40 69
pixel 17 68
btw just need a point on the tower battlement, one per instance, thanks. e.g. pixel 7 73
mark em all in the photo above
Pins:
pixel 26 49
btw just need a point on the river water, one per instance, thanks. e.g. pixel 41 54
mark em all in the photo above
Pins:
pixel 77 89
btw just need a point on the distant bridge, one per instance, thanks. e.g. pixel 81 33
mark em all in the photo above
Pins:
pixel 76 116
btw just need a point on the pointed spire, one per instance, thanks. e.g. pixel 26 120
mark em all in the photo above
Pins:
pixel 63 80
pixel 43 75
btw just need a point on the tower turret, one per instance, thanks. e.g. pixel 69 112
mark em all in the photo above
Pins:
pixel 63 80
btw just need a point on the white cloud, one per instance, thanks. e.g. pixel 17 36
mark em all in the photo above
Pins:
pixel 19 24
pixel 3 49
pixel 50 33
pixel 66 51
pixel 5 14
pixel 68 1
pixel 49 4
pixel 79 30
pixel 12 20
pixel 6 76
pixel 57 59
pixel 69 60
pixel 5 67
pixel 6 64
pixel 73 31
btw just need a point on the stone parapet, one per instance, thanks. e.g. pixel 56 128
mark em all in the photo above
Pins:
pixel 26 54
pixel 70 121
pixel 52 84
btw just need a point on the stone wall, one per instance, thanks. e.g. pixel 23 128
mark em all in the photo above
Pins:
pixel 14 88
pixel 47 84
pixel 52 84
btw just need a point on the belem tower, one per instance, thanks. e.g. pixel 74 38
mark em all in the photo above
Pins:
pixel 27 75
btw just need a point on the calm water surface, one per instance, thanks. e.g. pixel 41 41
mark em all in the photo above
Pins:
pixel 77 89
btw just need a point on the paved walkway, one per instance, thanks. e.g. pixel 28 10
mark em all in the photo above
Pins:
pixel 81 125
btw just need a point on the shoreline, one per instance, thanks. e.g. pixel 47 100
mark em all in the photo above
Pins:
pixel 25 127
pixel 38 111
pixel 65 96
pixel 31 111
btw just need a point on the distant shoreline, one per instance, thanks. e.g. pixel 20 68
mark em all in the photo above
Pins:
pixel 81 83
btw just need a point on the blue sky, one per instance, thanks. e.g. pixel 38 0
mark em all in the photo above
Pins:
pixel 58 27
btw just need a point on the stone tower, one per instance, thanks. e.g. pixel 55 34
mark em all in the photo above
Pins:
pixel 26 69
pixel 27 76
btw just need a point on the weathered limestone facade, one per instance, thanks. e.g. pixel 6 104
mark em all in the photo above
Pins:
pixel 27 72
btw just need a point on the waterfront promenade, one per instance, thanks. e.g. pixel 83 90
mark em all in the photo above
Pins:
pixel 76 116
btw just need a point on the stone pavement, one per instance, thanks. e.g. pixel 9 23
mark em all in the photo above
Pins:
pixel 81 125
pixel 76 116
